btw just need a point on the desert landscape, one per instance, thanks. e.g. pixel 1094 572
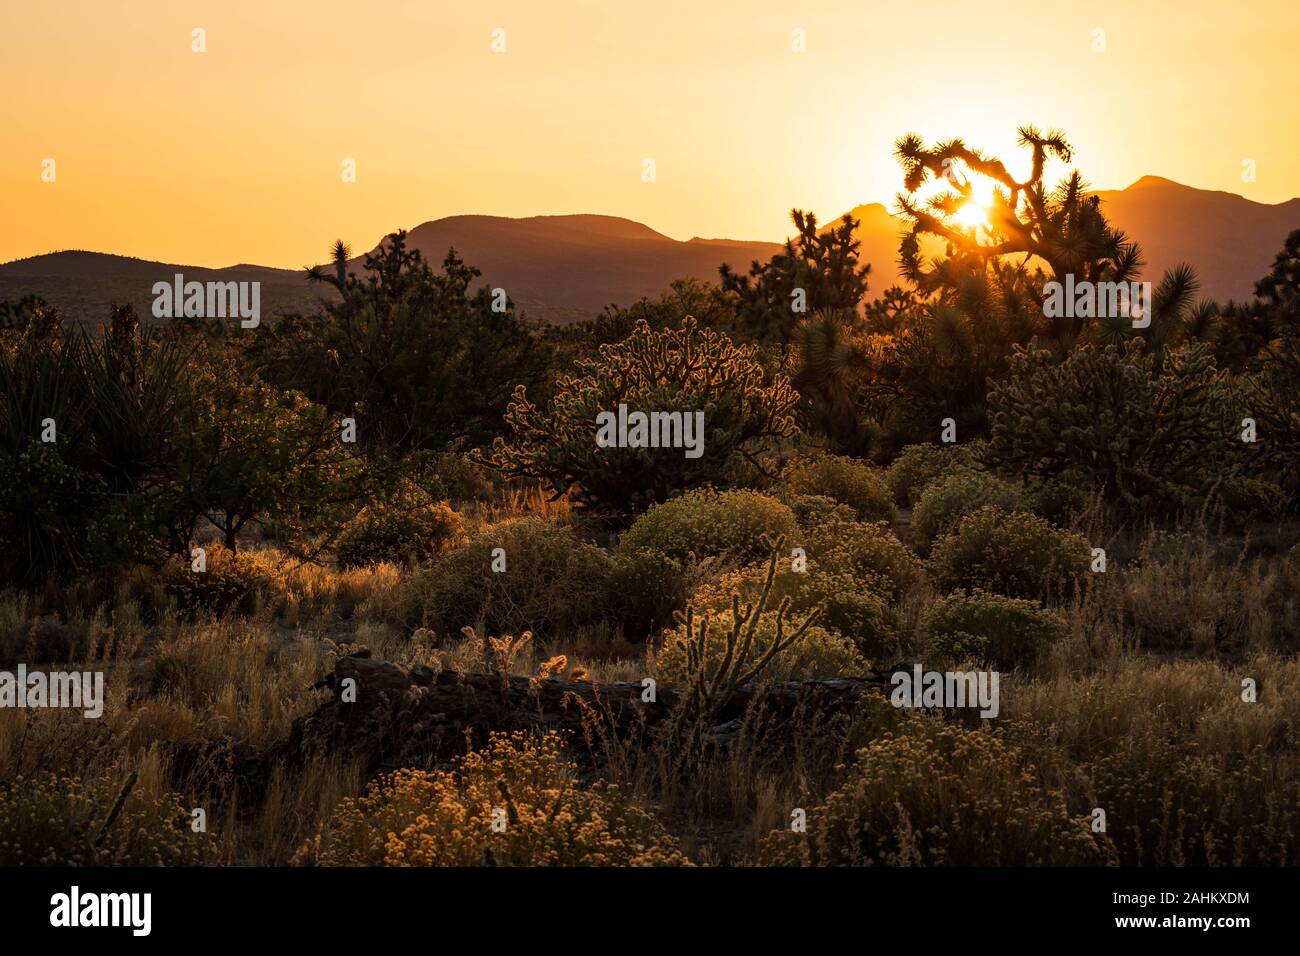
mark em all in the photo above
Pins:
pixel 957 529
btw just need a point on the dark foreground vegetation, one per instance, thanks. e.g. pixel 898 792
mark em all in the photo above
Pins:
pixel 430 600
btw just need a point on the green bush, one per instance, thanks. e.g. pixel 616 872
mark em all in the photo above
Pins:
pixel 404 530
pixel 1060 500
pixel 233 583
pixel 731 524
pixel 645 588
pixel 866 550
pixel 939 795
pixel 1017 554
pixel 856 607
pixel 990 628
pixel 51 820
pixel 846 480
pixel 819 654
pixel 813 510
pixel 547 586
pixel 918 465
pixel 951 497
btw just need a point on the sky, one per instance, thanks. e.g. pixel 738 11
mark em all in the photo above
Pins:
pixel 237 153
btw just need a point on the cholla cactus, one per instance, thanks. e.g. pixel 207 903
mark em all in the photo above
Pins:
pixel 1147 433
pixel 709 688
pixel 689 369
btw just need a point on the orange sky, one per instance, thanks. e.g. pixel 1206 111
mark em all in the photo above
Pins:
pixel 235 154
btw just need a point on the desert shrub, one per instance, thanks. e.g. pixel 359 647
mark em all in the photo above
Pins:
pixel 951 497
pixel 813 510
pixel 51 820
pixel 405 529
pixel 687 370
pixel 1170 804
pixel 731 524
pixel 1182 593
pixel 1060 500
pixel 846 480
pixel 918 465
pixel 231 584
pixel 939 795
pixel 1149 433
pixel 546 587
pixel 1242 499
pixel 857 607
pixel 820 653
pixel 460 479
pixel 1017 554
pixel 990 628
pixel 866 550
pixel 444 818
pixel 645 588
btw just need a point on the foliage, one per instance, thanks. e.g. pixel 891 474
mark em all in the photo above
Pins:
pixel 818 267
pixel 231 583
pixel 546 587
pixel 938 795
pixel 733 524
pixel 687 370
pixel 866 551
pixel 990 628
pixel 417 359
pixel 948 499
pixel 405 528
pixel 847 480
pixel 445 818
pixel 53 820
pixel 855 607
pixel 1016 554
pixel 917 465
pixel 1148 434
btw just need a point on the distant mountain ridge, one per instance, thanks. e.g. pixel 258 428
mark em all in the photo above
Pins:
pixel 569 267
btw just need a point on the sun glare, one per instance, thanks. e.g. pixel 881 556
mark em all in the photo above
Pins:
pixel 974 213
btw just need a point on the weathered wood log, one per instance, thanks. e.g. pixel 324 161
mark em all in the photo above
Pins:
pixel 387 716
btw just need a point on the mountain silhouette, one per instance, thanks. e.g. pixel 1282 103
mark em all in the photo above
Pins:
pixel 1229 239
pixel 563 268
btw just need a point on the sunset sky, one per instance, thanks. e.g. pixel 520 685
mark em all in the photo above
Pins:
pixel 235 154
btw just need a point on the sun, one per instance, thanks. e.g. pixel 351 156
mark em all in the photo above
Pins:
pixel 974 212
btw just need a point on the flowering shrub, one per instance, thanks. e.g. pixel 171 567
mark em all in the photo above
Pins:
pixel 546 586
pixel 730 524
pixel 1017 554
pixel 846 480
pixel 918 465
pixel 939 795
pixel 813 510
pixel 404 530
pixel 866 551
pixel 445 818
pixel 51 820
pixel 233 583
pixel 951 497
pixel 990 628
